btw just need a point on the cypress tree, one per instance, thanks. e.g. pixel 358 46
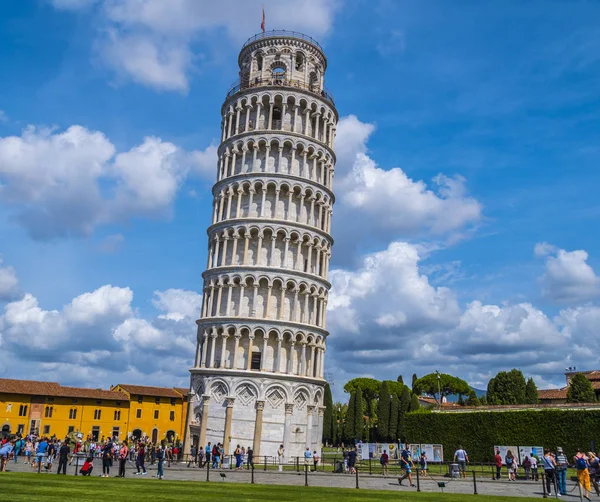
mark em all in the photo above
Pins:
pixel 531 392
pixel 402 410
pixel 383 412
pixel 414 379
pixel 328 416
pixel 394 408
pixel 414 403
pixel 400 379
pixel 359 417
pixel 349 430
pixel 472 399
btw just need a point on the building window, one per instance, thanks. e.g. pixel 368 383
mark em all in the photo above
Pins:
pixel 9 407
pixel 155 414
pixel 72 413
pixel 48 413
pixel 138 413
pixel 172 416
pixel 255 362
pixel 117 414
pixel 20 428
pixel 172 401
pixel 23 410
pixel 95 433
pixel 139 399
pixel 157 400
pixel 71 429
pixel 115 433
pixel 46 429
pixel 97 414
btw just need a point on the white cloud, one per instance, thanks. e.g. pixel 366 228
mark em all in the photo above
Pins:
pixel 154 42
pixel 178 304
pixel 68 183
pixel 567 277
pixel 8 282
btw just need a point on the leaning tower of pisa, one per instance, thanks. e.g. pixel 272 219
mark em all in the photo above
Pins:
pixel 258 374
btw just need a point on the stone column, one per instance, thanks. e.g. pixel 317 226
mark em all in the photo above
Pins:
pixel 235 350
pixel 319 437
pixel 203 426
pixel 227 433
pixel 187 437
pixel 224 338
pixel 260 406
pixel 309 425
pixel 212 349
pixel 250 346
pixel 287 427
pixel 263 358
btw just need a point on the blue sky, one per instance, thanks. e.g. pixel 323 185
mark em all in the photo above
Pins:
pixel 466 222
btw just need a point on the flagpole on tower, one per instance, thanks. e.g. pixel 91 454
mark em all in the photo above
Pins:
pixel 262 25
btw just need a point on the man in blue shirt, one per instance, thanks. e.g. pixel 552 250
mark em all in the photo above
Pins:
pixel 407 464
pixel 41 451
pixel 5 451
pixel 307 457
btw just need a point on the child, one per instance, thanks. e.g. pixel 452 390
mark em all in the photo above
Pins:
pixel 88 467
pixel 423 463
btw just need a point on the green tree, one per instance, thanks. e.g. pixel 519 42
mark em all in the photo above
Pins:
pixel 531 392
pixel 483 400
pixel 349 424
pixel 328 429
pixel 580 390
pixel 394 408
pixel 400 379
pixel 472 399
pixel 340 410
pixel 414 403
pixel 441 387
pixel 383 412
pixel 461 401
pixel 414 379
pixel 402 411
pixel 507 387
pixel 370 392
pixel 359 418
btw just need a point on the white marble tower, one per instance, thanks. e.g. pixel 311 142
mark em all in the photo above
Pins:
pixel 258 375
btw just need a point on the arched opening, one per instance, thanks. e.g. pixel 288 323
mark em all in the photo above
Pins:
pixel 154 436
pixel 299 63
pixel 256 359
pixel 5 430
pixel 136 435
pixel 278 74
pixel 170 436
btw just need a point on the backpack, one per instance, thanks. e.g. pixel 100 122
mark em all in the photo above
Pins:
pixel 581 463
pixel 509 462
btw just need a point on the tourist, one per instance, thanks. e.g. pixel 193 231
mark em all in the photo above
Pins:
pixel 107 452
pixel 215 456
pixel 238 457
pixel 5 452
pixel 243 457
pixel 250 453
pixel 307 458
pixel 561 470
pixel 534 468
pixel 200 456
pixel 593 469
pixel 406 463
pixel 40 452
pixel 583 475
pixel 28 451
pixel 352 460
pixel 423 463
pixel 140 459
pixel 498 462
pixel 511 465
pixel 549 465
pixel 63 457
pixel 384 460
pixel 52 449
pixel 160 457
pixel 88 467
pixel 123 451
pixel 527 467
pixel 280 457
pixel 19 445
pixel 207 452
pixel 315 459
pixel 461 457
pixel 192 457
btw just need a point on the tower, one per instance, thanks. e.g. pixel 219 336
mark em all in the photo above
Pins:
pixel 258 373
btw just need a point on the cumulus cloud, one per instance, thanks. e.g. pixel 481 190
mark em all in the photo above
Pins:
pixel 67 183
pixel 155 43
pixel 100 336
pixel 567 277
pixel 8 282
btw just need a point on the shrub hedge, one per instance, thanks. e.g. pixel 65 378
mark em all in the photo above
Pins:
pixel 479 431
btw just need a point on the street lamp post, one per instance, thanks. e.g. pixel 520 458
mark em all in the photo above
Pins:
pixel 439 389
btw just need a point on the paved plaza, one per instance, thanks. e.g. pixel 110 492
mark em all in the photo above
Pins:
pixel 180 471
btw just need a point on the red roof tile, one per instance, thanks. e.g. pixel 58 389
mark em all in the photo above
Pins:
pixel 53 389
pixel 142 390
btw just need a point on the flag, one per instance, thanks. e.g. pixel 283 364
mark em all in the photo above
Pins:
pixel 262 25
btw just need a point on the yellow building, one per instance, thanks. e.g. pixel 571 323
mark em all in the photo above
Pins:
pixel 155 412
pixel 124 411
pixel 49 409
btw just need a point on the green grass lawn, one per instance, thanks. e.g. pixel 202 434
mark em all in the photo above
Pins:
pixel 29 486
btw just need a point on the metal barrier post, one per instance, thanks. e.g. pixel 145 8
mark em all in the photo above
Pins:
pixel 207 470
pixel 544 485
pixel 474 483
pixel 252 478
pixel 76 464
pixel 265 459
pixel 297 464
pixel 356 470
pixel 305 475
pixel 370 471
pixel 418 481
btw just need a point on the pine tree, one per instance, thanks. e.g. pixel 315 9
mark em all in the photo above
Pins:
pixel 472 399
pixel 383 412
pixel 483 401
pixel 414 379
pixel 531 392
pixel 461 401
pixel 349 430
pixel 400 379
pixel 328 435
pixel 414 403
pixel 359 417
pixel 402 410
pixel 507 387
pixel 580 390
pixel 394 408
